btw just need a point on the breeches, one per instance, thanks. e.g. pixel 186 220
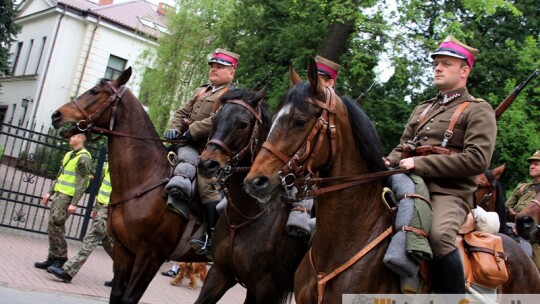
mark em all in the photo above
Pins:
pixel 449 212
pixel 206 192
pixel 57 225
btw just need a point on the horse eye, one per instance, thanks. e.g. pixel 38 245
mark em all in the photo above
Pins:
pixel 94 91
pixel 300 123
pixel 243 125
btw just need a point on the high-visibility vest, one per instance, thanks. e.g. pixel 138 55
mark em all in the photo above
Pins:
pixel 66 181
pixel 104 195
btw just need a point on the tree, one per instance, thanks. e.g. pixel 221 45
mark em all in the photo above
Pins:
pixel 8 30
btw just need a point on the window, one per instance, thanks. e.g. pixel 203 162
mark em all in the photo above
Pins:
pixel 17 55
pixel 28 56
pixel 115 67
pixel 146 22
pixel 41 53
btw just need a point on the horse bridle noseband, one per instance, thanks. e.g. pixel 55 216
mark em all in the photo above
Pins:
pixel 88 122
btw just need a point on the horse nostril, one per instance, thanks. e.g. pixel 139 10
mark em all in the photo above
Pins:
pixel 526 222
pixel 56 115
pixel 260 182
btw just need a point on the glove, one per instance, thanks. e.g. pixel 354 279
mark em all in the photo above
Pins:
pixel 172 134
pixel 187 137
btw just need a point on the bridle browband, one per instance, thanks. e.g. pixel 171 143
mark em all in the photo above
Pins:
pixel 88 123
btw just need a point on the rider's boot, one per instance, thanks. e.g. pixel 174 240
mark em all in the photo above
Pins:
pixel 204 245
pixel 451 278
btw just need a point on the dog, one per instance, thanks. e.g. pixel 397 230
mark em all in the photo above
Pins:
pixel 191 271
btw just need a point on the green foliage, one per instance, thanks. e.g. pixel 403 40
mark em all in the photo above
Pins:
pixel 8 30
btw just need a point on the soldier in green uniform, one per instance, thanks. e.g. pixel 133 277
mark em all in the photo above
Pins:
pixel 448 141
pixel 193 123
pixel 65 192
pixel 523 195
pixel 97 234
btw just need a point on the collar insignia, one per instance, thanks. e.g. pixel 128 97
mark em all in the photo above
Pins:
pixel 449 97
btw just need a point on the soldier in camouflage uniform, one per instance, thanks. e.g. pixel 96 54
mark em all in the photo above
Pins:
pixel 193 123
pixel 64 193
pixel 523 195
pixel 97 234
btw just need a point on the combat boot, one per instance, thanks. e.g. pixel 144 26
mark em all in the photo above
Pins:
pixel 44 264
pixel 58 263
pixel 204 245
pixel 60 273
pixel 451 278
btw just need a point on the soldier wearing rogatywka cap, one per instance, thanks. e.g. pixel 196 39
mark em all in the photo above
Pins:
pixel 448 140
pixel 193 123
pixel 328 71
pixel 523 194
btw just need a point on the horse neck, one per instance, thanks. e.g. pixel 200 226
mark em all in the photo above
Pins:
pixel 353 216
pixel 136 162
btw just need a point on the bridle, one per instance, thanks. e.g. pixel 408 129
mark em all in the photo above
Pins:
pixel 484 202
pixel 297 173
pixel 251 147
pixel 231 167
pixel 87 124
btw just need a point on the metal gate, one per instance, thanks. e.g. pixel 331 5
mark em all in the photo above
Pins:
pixel 29 162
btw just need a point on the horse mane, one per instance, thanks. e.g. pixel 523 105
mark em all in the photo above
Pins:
pixel 365 136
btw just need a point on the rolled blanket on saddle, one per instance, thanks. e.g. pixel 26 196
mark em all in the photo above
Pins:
pixel 181 189
pixel 298 224
pixel 408 246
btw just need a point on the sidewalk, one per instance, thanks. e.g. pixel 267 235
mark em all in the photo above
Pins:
pixel 21 282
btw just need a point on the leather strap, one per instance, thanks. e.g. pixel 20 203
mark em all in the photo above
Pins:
pixel 453 120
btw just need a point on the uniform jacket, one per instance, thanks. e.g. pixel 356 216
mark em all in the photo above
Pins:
pixel 473 139
pixel 198 109
pixel 522 195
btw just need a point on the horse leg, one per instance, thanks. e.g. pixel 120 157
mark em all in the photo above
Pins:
pixel 216 284
pixel 523 276
pixel 122 266
pixel 144 269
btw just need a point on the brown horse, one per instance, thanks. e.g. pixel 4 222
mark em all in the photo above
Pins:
pixel 145 231
pixel 251 245
pixel 490 195
pixel 314 131
pixel 528 221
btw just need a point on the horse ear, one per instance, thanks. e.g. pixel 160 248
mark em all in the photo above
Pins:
pixel 124 77
pixel 313 78
pixel 293 76
pixel 499 170
pixel 260 95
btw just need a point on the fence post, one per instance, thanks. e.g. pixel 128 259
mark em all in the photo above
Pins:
pixel 93 191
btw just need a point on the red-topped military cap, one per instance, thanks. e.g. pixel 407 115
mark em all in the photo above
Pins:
pixel 327 67
pixel 225 58
pixel 455 48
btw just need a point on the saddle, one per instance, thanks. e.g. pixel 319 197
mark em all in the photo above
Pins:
pixel 484 261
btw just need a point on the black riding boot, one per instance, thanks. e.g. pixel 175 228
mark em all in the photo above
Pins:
pixel 204 245
pixel 450 278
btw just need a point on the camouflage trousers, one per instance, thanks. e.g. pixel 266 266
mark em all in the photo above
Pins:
pixel 57 226
pixel 96 234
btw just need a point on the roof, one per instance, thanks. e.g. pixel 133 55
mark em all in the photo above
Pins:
pixel 138 15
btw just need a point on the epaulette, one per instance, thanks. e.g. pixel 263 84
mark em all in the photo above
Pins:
pixel 477 99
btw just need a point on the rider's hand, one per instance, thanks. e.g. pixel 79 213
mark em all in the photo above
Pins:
pixel 187 137
pixel 172 134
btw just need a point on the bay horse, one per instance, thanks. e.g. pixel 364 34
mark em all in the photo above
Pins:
pixel 251 245
pixel 490 195
pixel 528 220
pixel 145 230
pixel 315 131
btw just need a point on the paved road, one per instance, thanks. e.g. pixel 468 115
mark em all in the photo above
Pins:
pixel 21 282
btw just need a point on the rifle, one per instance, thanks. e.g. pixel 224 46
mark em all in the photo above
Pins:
pixel 510 98
pixel 261 81
pixel 363 95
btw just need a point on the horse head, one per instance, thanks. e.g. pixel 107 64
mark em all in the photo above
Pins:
pixel 93 107
pixel 528 219
pixel 238 130
pixel 310 125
